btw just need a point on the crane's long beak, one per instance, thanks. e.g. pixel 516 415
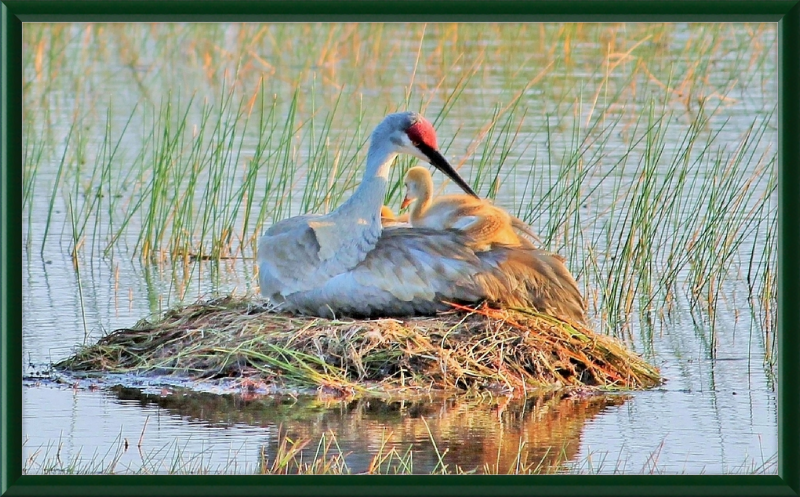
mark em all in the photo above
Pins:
pixel 442 165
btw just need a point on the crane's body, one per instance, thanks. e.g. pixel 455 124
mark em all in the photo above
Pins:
pixel 346 263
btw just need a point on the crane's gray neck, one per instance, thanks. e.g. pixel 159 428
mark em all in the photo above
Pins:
pixel 349 233
pixel 363 207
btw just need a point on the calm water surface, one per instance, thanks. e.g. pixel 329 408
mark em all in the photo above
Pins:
pixel 716 413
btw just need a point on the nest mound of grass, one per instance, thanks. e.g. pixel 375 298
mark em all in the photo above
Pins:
pixel 501 351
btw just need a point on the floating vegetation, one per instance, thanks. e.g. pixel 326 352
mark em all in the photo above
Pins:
pixel 484 349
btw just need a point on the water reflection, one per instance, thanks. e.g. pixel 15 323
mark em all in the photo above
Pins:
pixel 496 435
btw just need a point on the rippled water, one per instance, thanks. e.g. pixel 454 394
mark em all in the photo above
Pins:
pixel 716 413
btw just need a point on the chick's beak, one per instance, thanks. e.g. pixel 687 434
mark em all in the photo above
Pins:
pixel 405 203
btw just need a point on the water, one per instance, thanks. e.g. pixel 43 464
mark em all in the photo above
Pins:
pixel 717 411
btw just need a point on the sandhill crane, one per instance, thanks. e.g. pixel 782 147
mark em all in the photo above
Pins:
pixel 388 217
pixel 345 263
pixel 486 224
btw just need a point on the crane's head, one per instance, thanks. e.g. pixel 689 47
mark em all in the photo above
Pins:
pixel 412 134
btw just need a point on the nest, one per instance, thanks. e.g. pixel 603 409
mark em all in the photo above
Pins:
pixel 500 350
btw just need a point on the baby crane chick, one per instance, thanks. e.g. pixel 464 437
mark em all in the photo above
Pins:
pixel 485 223
pixel 389 219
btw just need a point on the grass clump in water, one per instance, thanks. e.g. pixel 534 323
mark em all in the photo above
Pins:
pixel 502 351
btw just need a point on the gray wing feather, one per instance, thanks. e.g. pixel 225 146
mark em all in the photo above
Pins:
pixel 413 271
pixel 280 252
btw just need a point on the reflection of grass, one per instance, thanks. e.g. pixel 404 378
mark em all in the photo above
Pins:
pixel 634 150
pixel 303 456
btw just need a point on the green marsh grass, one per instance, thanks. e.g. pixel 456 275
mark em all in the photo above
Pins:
pixel 634 152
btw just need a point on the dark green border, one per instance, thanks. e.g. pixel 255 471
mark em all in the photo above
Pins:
pixel 786 13
pixel 394 10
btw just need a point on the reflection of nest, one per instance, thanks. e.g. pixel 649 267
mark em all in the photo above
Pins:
pixel 499 350
pixel 484 433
